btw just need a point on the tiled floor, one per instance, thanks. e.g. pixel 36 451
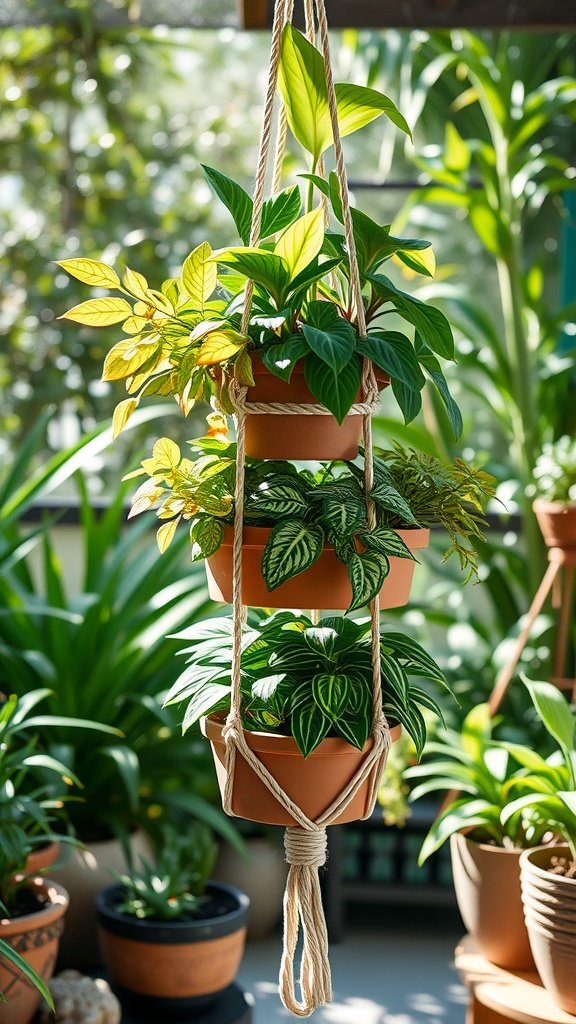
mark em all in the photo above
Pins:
pixel 394 966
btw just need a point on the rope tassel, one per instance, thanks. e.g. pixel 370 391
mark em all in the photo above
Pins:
pixel 305 853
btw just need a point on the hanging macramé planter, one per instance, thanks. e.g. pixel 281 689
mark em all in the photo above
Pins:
pixel 324 585
pixel 240 754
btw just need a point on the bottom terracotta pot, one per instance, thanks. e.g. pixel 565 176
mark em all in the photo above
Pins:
pixel 550 908
pixel 313 782
pixel 170 966
pixel 35 936
pixel 487 884
pixel 324 585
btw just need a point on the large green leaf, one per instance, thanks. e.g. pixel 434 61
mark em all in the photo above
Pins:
pixel 277 500
pixel 344 515
pixel 393 353
pixel 331 692
pixel 336 391
pixel 206 536
pixel 291 548
pixel 259 265
pixel 301 242
pixel 429 321
pixel 332 338
pixel 432 368
pixel 302 84
pixel 235 199
pixel 281 359
pixel 280 211
pixel 309 726
pixel 367 573
pixel 386 541
pixel 358 106
pixel 554 711
pixel 461 815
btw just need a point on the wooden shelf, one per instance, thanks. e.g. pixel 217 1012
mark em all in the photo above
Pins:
pixel 497 995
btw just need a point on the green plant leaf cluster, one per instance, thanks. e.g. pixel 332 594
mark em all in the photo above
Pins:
pixel 555 471
pixel 307 681
pixel 506 793
pixel 308 510
pixel 172 887
pixel 185 338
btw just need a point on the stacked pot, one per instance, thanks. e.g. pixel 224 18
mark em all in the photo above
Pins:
pixel 550 912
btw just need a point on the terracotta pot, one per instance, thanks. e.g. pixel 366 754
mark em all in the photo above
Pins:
pixel 313 782
pixel 557 523
pixel 298 437
pixel 261 874
pixel 170 966
pixel 324 585
pixel 35 937
pixel 487 884
pixel 551 927
pixel 86 871
pixel 42 857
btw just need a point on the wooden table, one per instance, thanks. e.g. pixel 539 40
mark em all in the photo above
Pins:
pixel 497 995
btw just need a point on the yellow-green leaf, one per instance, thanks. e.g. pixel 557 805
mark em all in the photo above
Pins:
pixel 136 284
pixel 456 152
pixel 359 105
pixel 199 277
pixel 165 534
pixel 166 452
pixel 122 414
pixel 220 346
pixel 93 272
pixel 302 241
pixel 99 312
pixel 243 370
pixel 302 84
pixel 127 357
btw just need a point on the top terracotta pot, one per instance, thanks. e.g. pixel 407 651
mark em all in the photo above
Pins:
pixel 301 437
pixel 557 522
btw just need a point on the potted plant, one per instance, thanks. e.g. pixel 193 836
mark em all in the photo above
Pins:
pixel 548 873
pixel 486 841
pixel 171 939
pixel 306 694
pixel 306 539
pixel 31 907
pixel 555 485
pixel 301 342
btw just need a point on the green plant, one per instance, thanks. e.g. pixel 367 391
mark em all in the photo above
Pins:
pixel 479 773
pixel 547 787
pixel 172 887
pixel 306 681
pixel 186 339
pixel 102 653
pixel 308 510
pixel 555 471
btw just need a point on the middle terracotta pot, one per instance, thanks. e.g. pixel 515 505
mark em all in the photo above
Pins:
pixel 313 783
pixel 324 585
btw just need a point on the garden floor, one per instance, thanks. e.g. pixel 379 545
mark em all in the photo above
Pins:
pixel 394 965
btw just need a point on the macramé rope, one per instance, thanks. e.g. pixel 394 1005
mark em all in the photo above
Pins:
pixel 305 841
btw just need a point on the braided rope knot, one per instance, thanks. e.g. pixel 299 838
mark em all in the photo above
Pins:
pixel 365 408
pixel 232 727
pixel 305 847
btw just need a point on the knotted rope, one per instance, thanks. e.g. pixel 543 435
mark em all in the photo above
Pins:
pixel 306 840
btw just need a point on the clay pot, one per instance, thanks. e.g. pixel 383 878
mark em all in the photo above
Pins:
pixel 550 913
pixel 298 437
pixel 324 585
pixel 487 884
pixel 171 966
pixel 36 937
pixel 86 871
pixel 42 857
pixel 261 874
pixel 557 523
pixel 313 783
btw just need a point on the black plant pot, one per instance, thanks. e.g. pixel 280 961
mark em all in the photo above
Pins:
pixel 173 967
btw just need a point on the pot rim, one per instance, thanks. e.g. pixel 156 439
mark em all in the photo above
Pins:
pixel 415 537
pixel 553 507
pixel 270 742
pixel 487 847
pixel 56 893
pixel 527 865
pixel 181 932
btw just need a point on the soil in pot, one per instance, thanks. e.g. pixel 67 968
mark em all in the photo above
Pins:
pixel 549 898
pixel 324 585
pixel 487 884
pixel 271 436
pixel 35 934
pixel 174 965
pixel 313 782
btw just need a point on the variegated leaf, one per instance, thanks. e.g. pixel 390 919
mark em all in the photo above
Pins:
pixel 367 573
pixel 291 548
